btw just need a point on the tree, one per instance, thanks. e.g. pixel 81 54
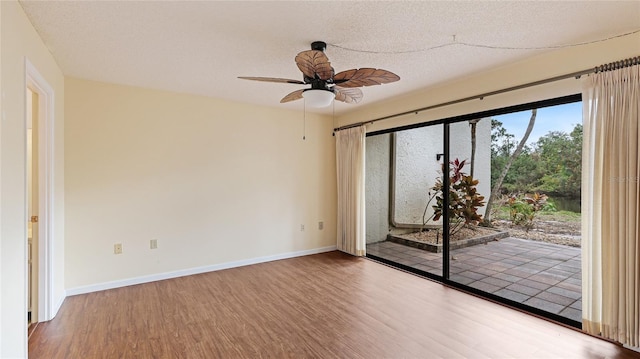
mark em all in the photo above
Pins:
pixel 525 172
pixel 496 187
pixel 473 124
pixel 502 142
pixel 561 161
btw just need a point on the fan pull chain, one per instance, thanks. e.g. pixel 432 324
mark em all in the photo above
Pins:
pixel 334 117
pixel 304 120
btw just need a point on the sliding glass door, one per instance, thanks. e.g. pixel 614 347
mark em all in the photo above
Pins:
pixel 489 204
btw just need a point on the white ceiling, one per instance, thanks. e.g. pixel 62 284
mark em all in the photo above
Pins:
pixel 201 47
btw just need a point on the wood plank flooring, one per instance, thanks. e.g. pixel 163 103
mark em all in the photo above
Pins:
pixel 328 305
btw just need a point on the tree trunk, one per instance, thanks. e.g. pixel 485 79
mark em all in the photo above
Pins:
pixel 496 187
pixel 473 124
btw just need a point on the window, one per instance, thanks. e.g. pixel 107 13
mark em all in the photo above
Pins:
pixel 525 250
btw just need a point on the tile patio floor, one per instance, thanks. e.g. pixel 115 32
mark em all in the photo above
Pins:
pixel 538 274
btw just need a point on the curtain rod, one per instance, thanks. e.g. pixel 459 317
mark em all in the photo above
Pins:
pixel 602 68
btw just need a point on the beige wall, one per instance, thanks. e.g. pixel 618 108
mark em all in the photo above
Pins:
pixel 213 181
pixel 543 66
pixel 19 41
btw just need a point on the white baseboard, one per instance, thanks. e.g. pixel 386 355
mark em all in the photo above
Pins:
pixel 58 305
pixel 191 271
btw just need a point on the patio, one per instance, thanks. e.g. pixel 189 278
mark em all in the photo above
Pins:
pixel 538 274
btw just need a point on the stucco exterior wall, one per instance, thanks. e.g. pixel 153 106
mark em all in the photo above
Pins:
pixel 377 187
pixel 416 170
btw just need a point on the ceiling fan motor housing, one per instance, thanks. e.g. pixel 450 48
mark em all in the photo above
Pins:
pixel 319 46
pixel 319 84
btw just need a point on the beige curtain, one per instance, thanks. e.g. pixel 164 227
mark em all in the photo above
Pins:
pixel 350 151
pixel 610 202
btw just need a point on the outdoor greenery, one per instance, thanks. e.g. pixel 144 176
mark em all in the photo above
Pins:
pixel 523 176
pixel 552 165
pixel 549 212
pixel 464 199
pixel 524 208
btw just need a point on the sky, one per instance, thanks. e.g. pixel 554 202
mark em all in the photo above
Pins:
pixel 555 118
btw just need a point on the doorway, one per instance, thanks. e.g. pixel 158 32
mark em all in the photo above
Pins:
pixel 39 199
pixel 32 207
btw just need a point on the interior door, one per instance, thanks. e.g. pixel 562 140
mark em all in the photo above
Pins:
pixel 32 203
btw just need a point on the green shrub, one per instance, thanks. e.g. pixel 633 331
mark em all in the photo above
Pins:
pixel 549 207
pixel 523 208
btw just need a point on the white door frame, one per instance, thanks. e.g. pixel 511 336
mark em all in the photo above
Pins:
pixel 37 84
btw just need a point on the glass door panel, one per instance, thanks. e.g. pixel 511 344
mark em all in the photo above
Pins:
pixel 402 169
pixel 530 253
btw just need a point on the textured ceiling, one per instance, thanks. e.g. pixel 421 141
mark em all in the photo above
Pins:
pixel 201 47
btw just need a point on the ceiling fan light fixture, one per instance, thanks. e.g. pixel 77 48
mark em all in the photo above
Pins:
pixel 318 98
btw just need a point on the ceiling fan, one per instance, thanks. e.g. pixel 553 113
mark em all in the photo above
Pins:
pixel 325 83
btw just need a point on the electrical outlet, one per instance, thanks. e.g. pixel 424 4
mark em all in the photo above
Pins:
pixel 117 248
pixel 320 225
pixel 153 244
pixel 302 228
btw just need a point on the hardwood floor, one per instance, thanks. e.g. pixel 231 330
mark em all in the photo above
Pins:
pixel 328 305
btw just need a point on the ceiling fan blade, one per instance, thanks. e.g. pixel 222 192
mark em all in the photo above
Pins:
pixel 295 95
pixel 364 77
pixel 314 62
pixel 348 95
pixel 272 79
